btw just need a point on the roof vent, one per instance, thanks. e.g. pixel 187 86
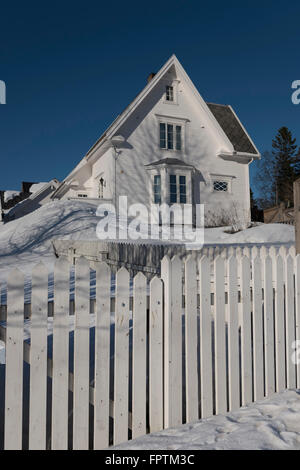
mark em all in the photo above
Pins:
pixel 150 77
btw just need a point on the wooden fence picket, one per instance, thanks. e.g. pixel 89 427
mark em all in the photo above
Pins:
pixel 290 321
pixel 258 349
pixel 191 339
pixel 121 371
pixel 171 273
pixel 220 342
pixel 233 336
pixel 102 357
pixel 297 306
pixel 246 332
pixel 14 361
pixel 81 356
pixel 60 378
pixel 269 327
pixel 38 359
pixel 279 326
pixel 156 417
pixel 139 370
pixel 206 359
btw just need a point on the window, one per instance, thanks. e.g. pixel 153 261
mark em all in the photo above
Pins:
pixel 81 195
pixel 177 189
pixel 220 185
pixel 169 93
pixel 170 136
pixel 157 189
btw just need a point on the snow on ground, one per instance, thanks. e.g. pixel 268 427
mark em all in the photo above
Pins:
pixel 28 240
pixel 272 423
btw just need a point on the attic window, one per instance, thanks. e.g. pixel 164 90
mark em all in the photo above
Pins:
pixel 169 93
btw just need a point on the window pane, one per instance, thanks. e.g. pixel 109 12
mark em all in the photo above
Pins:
pixel 170 136
pixel 182 189
pixel 173 189
pixel 178 137
pixel 162 131
pixel 220 186
pixel 157 189
pixel 169 93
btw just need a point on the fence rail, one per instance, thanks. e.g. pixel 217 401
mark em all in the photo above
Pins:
pixel 211 334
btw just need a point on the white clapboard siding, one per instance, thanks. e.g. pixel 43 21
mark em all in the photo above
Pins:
pixel 246 332
pixel 191 340
pixel 38 359
pixel 171 273
pixel 139 356
pixel 297 306
pixel 279 326
pixel 81 356
pixel 156 417
pixel 233 336
pixel 268 327
pixel 60 355
pixel 258 348
pixel 206 360
pixel 290 320
pixel 121 372
pixel 220 345
pixel 14 361
pixel 102 356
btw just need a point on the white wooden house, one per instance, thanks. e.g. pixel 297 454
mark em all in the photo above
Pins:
pixel 169 145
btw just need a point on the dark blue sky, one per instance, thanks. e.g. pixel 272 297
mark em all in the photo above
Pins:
pixel 70 68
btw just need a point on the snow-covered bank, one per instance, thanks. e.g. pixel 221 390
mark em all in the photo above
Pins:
pixel 28 240
pixel 272 423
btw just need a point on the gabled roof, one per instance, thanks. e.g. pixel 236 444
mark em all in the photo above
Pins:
pixel 222 117
pixel 231 126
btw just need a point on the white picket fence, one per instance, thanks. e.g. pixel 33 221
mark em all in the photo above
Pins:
pixel 210 335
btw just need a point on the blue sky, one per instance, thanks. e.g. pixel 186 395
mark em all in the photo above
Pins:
pixel 71 67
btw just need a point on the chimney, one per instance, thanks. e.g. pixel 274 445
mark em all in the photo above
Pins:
pixel 150 77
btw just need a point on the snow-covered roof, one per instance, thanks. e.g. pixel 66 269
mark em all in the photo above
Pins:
pixel 10 194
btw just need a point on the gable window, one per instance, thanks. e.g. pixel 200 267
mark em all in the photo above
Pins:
pixel 178 189
pixel 157 189
pixel 220 185
pixel 169 93
pixel 170 136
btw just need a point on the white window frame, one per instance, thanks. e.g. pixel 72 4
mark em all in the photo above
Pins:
pixel 173 84
pixel 177 174
pixel 226 178
pixel 168 120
